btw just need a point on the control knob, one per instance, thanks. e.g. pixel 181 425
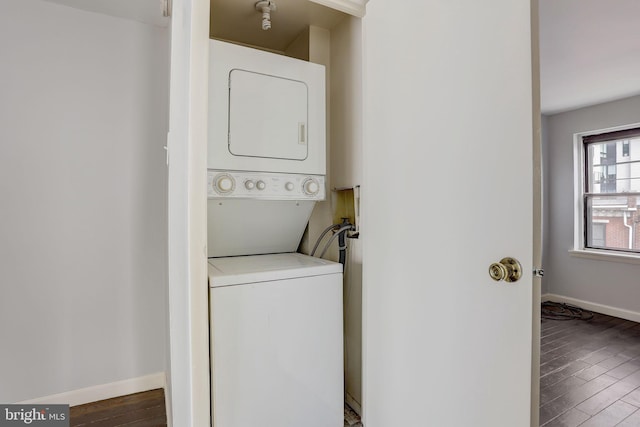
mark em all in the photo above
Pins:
pixel 260 185
pixel 289 186
pixel 249 185
pixel 224 183
pixel 311 186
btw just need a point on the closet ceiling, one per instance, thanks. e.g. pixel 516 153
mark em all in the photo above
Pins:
pixel 238 20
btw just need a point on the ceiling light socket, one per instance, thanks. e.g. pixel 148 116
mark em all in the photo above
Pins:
pixel 266 7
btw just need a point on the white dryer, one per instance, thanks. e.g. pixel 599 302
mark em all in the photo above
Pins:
pixel 266 149
pixel 276 341
pixel 266 112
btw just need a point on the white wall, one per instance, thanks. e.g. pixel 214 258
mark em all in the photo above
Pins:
pixel 609 283
pixel 83 119
pixel 544 137
pixel 346 171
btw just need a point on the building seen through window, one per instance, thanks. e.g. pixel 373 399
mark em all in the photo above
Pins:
pixel 612 191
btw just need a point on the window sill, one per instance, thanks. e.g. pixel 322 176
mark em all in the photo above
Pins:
pixel 605 256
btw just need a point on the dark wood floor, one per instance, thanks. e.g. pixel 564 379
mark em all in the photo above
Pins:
pixel 589 377
pixel 145 409
pixel 590 373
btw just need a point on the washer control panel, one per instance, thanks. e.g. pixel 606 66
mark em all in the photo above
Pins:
pixel 264 185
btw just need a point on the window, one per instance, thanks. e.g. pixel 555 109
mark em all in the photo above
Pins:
pixel 611 191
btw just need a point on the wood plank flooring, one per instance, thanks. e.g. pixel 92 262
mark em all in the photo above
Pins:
pixel 589 377
pixel 146 409
pixel 590 372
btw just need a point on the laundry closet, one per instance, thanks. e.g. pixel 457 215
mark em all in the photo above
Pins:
pixel 283 169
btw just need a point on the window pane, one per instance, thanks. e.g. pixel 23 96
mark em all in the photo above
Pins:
pixel 628 177
pixel 613 222
pixel 614 166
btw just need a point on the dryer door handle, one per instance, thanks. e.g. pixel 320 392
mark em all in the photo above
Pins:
pixel 302 133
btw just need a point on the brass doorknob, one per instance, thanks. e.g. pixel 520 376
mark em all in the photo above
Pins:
pixel 508 269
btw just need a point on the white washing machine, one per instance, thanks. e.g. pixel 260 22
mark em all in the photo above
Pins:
pixel 276 341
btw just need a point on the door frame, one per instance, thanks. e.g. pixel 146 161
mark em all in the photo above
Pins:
pixel 538 213
pixel 188 389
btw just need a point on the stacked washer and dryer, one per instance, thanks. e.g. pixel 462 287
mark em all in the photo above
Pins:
pixel 275 315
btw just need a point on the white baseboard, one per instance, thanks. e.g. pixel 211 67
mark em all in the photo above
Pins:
pixel 354 404
pixel 592 306
pixel 103 391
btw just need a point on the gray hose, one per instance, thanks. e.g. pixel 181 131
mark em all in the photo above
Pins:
pixel 337 233
pixel 326 230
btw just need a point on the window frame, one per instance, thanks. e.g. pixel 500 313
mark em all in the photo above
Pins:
pixel 581 181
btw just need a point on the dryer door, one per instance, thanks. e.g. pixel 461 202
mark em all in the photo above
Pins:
pixel 267 116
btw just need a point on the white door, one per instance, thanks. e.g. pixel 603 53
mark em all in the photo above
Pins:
pixel 447 191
